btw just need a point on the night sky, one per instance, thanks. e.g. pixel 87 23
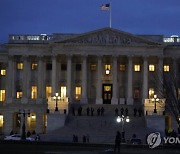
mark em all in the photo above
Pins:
pixel 78 16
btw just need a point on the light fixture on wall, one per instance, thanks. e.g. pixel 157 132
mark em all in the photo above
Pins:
pixel 107 71
pixel 33 116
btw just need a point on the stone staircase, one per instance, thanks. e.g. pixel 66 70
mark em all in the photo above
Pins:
pixel 101 129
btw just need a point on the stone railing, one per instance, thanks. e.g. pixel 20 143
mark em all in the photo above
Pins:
pixel 30 38
pixel 171 40
pixel 149 107
pixel 62 105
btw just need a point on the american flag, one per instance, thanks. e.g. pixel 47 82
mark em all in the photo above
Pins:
pixel 105 7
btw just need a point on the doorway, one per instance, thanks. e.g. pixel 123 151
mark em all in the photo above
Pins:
pixel 107 93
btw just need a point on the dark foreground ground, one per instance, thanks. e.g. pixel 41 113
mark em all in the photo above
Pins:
pixel 67 148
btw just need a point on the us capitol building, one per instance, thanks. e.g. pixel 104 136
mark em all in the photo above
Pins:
pixel 39 73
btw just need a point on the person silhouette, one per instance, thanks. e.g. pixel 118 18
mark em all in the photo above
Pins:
pixel 117 142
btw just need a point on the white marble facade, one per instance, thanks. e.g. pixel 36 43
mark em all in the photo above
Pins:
pixel 97 48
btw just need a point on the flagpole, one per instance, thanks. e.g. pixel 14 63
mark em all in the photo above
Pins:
pixel 110 14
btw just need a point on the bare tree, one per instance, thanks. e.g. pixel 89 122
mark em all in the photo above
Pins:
pixel 168 88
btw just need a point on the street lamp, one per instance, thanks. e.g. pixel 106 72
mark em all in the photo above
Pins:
pixel 155 99
pixel 56 98
pixel 24 113
pixel 122 119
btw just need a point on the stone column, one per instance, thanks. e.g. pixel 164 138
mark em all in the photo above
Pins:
pixel 114 99
pixel 69 77
pixel 39 123
pixel 145 79
pixel 84 99
pixel 99 82
pixel 9 80
pixel 43 79
pixel 40 79
pixel 160 77
pixel 175 66
pixel 14 67
pixel 25 82
pixel 54 75
pixel 129 84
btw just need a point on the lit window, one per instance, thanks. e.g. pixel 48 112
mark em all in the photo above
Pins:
pixel 31 122
pixel 166 68
pixel 19 94
pixel 179 93
pixel 151 93
pixel 93 67
pixel 34 92
pixel 1 121
pixel 137 68
pixel 34 66
pixel 48 91
pixel 3 72
pixel 151 68
pixel 107 69
pixel 78 93
pixel 63 91
pixel 19 66
pixel 2 95
pixel 122 67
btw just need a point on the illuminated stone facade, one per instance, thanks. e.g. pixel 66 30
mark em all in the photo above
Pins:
pixel 105 66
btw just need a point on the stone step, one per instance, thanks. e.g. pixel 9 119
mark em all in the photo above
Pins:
pixel 101 129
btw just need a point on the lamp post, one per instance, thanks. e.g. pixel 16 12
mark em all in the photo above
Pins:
pixel 122 119
pixel 56 98
pixel 155 100
pixel 24 113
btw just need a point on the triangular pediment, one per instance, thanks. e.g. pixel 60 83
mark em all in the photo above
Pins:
pixel 108 36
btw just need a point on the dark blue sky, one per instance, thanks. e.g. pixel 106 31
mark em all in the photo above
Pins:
pixel 76 16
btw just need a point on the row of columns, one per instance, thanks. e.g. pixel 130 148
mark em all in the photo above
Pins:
pixel 41 81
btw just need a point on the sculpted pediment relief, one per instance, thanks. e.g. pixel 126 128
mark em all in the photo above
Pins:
pixel 108 36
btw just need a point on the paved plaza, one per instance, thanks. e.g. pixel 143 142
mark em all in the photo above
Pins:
pixel 64 148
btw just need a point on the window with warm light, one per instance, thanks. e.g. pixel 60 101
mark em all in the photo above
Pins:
pixel 78 93
pixel 107 69
pixel 48 91
pixel 93 67
pixel 31 122
pixel 2 95
pixel 122 67
pixel 151 93
pixel 34 92
pixel 137 68
pixel 1 121
pixel 19 94
pixel 20 66
pixel 34 66
pixel 179 93
pixel 166 68
pixel 3 72
pixel 63 91
pixel 151 68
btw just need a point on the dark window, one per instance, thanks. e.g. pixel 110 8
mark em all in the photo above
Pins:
pixel 63 67
pixel 78 67
pixel 49 66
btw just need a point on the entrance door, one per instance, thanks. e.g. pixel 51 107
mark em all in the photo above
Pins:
pixel 107 93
